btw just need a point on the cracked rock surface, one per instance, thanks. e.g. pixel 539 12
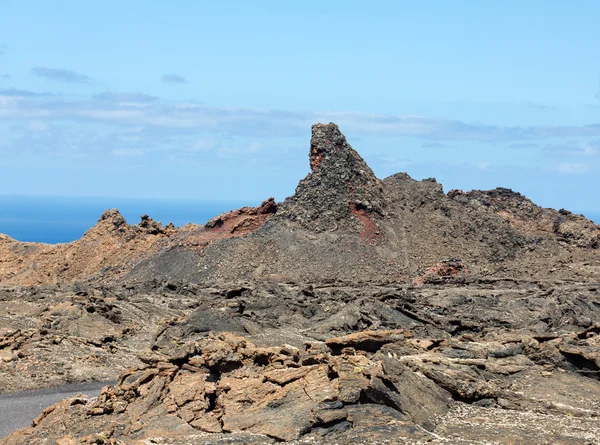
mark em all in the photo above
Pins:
pixel 333 363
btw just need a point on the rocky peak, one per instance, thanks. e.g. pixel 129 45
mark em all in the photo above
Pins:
pixel 6 239
pixel 267 207
pixel 111 221
pixel 112 216
pixel 341 186
pixel 151 227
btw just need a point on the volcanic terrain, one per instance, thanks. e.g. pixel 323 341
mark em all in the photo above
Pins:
pixel 357 311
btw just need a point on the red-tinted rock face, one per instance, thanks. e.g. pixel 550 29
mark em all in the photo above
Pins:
pixel 316 157
pixel 244 220
pixel 371 232
pixel 241 221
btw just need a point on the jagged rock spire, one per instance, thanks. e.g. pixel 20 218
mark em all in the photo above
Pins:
pixel 339 185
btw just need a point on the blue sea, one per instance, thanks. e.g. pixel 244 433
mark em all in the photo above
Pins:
pixel 593 216
pixel 63 219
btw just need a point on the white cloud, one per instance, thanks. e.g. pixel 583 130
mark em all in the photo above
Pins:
pixel 126 152
pixel 524 145
pixel 201 145
pixel 588 150
pixel 568 168
pixel 37 126
pixel 394 163
pixel 254 146
pixel 574 149
pixel 134 110
pixel 125 98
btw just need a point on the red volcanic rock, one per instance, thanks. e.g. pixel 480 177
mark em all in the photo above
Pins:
pixel 244 220
pixel 371 231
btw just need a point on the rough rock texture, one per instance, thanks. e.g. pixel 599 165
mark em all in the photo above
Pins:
pixel 341 190
pixel 112 247
pixel 225 384
pixel 111 242
pixel 443 362
pixel 244 220
pixel 344 223
pixel 526 216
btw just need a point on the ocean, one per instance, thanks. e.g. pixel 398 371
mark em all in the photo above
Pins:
pixel 593 216
pixel 64 219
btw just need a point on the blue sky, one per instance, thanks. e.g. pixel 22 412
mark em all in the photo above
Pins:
pixel 214 100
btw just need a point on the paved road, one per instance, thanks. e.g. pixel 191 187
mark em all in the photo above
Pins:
pixel 19 409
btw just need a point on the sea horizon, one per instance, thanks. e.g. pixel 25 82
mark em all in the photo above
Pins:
pixel 62 219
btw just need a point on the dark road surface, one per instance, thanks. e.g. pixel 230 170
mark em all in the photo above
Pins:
pixel 19 409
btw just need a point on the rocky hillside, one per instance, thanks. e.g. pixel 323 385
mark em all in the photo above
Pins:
pixel 342 223
pixel 110 249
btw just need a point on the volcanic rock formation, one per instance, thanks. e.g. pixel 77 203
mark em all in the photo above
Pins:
pixel 340 189
pixel 111 248
pixel 110 243
pixel 359 310
pixel 342 223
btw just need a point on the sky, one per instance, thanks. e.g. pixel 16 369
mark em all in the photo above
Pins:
pixel 215 100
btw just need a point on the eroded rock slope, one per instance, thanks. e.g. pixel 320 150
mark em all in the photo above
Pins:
pixel 343 222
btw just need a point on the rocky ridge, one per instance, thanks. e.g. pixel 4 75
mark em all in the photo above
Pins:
pixel 113 247
pixel 341 223
pixel 344 223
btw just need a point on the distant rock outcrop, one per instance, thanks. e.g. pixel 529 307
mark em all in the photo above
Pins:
pixel 340 192
pixel 104 252
pixel 244 220
pixel 528 217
